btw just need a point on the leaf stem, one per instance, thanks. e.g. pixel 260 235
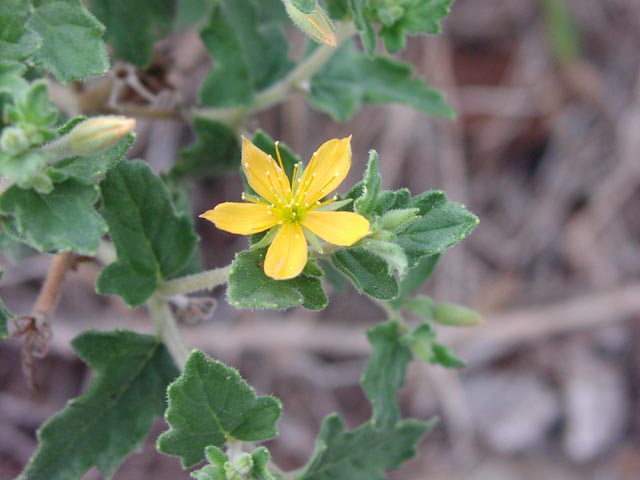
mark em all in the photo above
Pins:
pixel 206 280
pixel 167 329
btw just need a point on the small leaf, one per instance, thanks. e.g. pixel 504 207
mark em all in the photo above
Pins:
pixel 390 252
pixel 11 81
pixel 422 305
pixel 210 404
pixel 442 224
pixel 260 471
pixel 249 287
pixel 248 57
pixel 152 241
pixel 216 151
pixel 17 42
pixel 350 79
pixel 367 35
pixel 63 220
pixel 368 272
pixel 371 185
pixel 72 47
pixel 386 372
pixel 415 278
pixel 133 26
pixel 362 454
pixel 422 341
pixel 112 418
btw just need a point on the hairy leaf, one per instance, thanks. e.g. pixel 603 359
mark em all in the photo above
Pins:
pixel 350 79
pixel 249 287
pixel 112 418
pixel 16 42
pixel 60 221
pixel 368 272
pixel 210 404
pixel 152 241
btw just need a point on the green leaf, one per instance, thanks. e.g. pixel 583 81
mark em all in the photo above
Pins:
pixel 5 315
pixel 371 185
pixel 260 471
pixel 386 372
pixel 248 57
pixel 422 341
pixel 89 168
pixel 11 81
pixel 26 170
pixel 362 454
pixel 152 241
pixel 60 221
pixel 442 224
pixel 210 404
pixel 350 79
pixel 16 42
pixel 418 16
pixel 133 26
pixel 215 470
pixel 306 6
pixel 216 151
pixel 191 12
pixel 112 418
pixel 368 272
pixel 415 278
pixel 72 47
pixel 562 32
pixel 249 287
pixel 367 35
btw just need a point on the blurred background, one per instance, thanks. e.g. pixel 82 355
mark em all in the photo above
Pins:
pixel 545 150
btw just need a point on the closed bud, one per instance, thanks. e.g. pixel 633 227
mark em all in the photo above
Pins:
pixel 98 133
pixel 399 219
pixel 14 140
pixel 316 23
pixel 240 466
pixel 456 315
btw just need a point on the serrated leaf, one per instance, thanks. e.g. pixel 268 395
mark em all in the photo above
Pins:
pixel 208 405
pixel 368 272
pixel 133 26
pixel 152 241
pixel 72 47
pixel 350 79
pixel 442 224
pixel 63 220
pixel 418 16
pixel 415 278
pixel 89 168
pixel 249 287
pixel 248 57
pixel 386 372
pixel 112 418
pixel 362 454
pixel 216 151
pixel 16 42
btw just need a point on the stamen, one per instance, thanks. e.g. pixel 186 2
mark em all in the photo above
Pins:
pixel 279 157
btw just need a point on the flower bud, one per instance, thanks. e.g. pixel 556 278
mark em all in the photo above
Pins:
pixel 316 23
pixel 98 133
pixel 240 466
pixel 14 140
pixel 456 315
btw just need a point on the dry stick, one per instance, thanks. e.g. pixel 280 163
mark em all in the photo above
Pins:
pixel 37 330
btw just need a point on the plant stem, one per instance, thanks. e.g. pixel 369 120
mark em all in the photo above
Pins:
pixel 206 280
pixel 167 329
pixel 280 90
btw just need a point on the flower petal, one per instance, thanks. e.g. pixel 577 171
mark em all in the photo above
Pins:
pixel 287 255
pixel 241 218
pixel 264 175
pixel 339 228
pixel 327 169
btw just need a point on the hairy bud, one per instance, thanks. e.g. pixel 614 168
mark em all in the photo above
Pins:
pixel 316 23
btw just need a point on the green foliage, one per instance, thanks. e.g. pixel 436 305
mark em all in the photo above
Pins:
pixel 60 221
pixel 133 26
pixel 5 315
pixel 71 46
pixel 249 287
pixel 209 405
pixel 246 466
pixel 363 454
pixel 152 241
pixel 350 79
pixel 368 272
pixel 386 372
pixel 17 42
pixel 112 418
pixel 216 151
pixel 422 341
pixel 306 6
pixel 11 81
pixel 415 278
pixel 248 56
pixel 563 32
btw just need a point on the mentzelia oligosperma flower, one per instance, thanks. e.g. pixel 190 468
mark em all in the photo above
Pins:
pixel 294 208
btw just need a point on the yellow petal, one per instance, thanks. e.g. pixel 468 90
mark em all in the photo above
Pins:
pixel 287 255
pixel 339 228
pixel 326 170
pixel 264 175
pixel 241 218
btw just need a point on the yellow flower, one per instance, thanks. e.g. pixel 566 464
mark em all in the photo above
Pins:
pixel 294 207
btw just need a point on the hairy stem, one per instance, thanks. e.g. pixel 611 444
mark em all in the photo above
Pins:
pixel 206 280
pixel 167 329
pixel 52 288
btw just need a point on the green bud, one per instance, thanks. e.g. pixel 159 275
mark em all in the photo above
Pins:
pixel 98 133
pixel 397 220
pixel 456 315
pixel 14 140
pixel 316 23
pixel 240 466
pixel 390 252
